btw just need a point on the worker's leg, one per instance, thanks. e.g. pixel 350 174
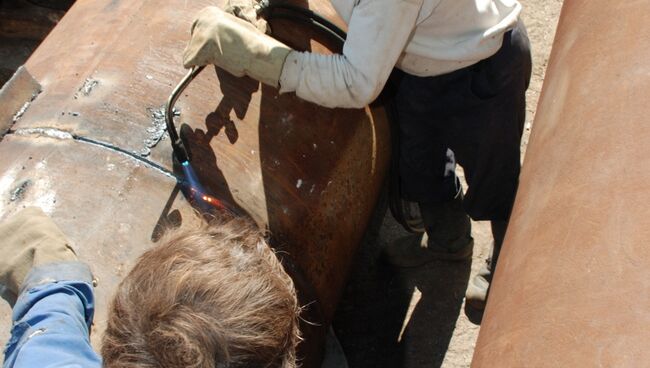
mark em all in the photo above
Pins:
pixel 424 110
pixel 488 146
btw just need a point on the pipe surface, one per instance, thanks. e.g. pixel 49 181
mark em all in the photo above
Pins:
pixel 572 287
pixel 88 150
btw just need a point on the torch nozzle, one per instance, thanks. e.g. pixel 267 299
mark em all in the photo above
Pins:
pixel 181 153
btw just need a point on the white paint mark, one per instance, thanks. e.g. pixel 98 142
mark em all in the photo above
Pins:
pixel 299 183
pixel 150 77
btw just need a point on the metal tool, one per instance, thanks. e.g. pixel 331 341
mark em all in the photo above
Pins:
pixel 180 151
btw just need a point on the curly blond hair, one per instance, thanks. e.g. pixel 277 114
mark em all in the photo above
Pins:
pixel 212 296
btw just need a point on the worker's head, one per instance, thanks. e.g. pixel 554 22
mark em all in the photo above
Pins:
pixel 214 296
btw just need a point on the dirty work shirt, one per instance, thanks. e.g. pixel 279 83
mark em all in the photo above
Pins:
pixel 421 37
pixel 52 318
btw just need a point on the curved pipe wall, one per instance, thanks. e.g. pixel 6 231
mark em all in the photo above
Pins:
pixel 86 150
pixel 572 288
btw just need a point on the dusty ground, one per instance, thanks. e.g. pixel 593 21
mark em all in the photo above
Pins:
pixel 416 318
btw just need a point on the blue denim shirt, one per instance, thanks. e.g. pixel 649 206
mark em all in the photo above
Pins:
pixel 52 318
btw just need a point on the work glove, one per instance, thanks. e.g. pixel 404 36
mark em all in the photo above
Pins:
pixel 236 46
pixel 29 239
pixel 247 10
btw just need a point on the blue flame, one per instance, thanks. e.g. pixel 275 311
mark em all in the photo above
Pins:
pixel 194 190
pixel 191 180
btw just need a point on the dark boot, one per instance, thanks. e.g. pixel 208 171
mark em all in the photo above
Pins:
pixel 448 237
pixel 479 287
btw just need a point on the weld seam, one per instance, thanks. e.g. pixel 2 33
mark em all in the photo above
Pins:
pixel 19 114
pixel 101 144
pixel 125 152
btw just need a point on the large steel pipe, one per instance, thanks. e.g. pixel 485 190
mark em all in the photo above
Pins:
pixel 572 288
pixel 85 148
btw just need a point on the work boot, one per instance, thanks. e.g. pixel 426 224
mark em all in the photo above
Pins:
pixel 479 287
pixel 447 236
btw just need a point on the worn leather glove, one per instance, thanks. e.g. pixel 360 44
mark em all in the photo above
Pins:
pixel 246 10
pixel 30 239
pixel 236 46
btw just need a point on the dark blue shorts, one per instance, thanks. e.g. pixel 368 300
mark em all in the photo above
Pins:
pixel 478 112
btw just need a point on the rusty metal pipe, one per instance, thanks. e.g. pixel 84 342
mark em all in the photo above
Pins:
pixel 572 288
pixel 308 174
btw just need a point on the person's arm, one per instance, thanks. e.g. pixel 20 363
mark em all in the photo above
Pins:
pixel 52 318
pixel 377 34
pixel 54 307
pixel 378 31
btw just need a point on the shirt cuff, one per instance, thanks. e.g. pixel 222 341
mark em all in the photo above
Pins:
pixel 57 271
pixel 291 72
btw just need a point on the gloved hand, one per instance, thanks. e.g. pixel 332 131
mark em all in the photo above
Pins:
pixel 245 9
pixel 236 46
pixel 29 239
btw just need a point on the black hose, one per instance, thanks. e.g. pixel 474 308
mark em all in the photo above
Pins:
pixel 305 16
pixel 312 23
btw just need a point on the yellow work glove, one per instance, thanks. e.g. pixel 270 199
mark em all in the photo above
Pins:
pixel 29 239
pixel 236 46
pixel 246 10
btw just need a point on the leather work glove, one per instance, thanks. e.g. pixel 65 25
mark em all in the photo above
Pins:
pixel 236 46
pixel 29 239
pixel 246 10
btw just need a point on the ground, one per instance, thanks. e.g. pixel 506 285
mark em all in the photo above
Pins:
pixel 416 318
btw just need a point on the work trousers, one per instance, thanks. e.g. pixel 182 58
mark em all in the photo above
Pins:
pixel 473 116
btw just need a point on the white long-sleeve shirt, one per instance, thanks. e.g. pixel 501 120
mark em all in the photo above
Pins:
pixel 421 37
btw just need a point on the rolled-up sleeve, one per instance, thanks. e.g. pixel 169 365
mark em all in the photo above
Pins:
pixel 52 318
pixel 377 34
